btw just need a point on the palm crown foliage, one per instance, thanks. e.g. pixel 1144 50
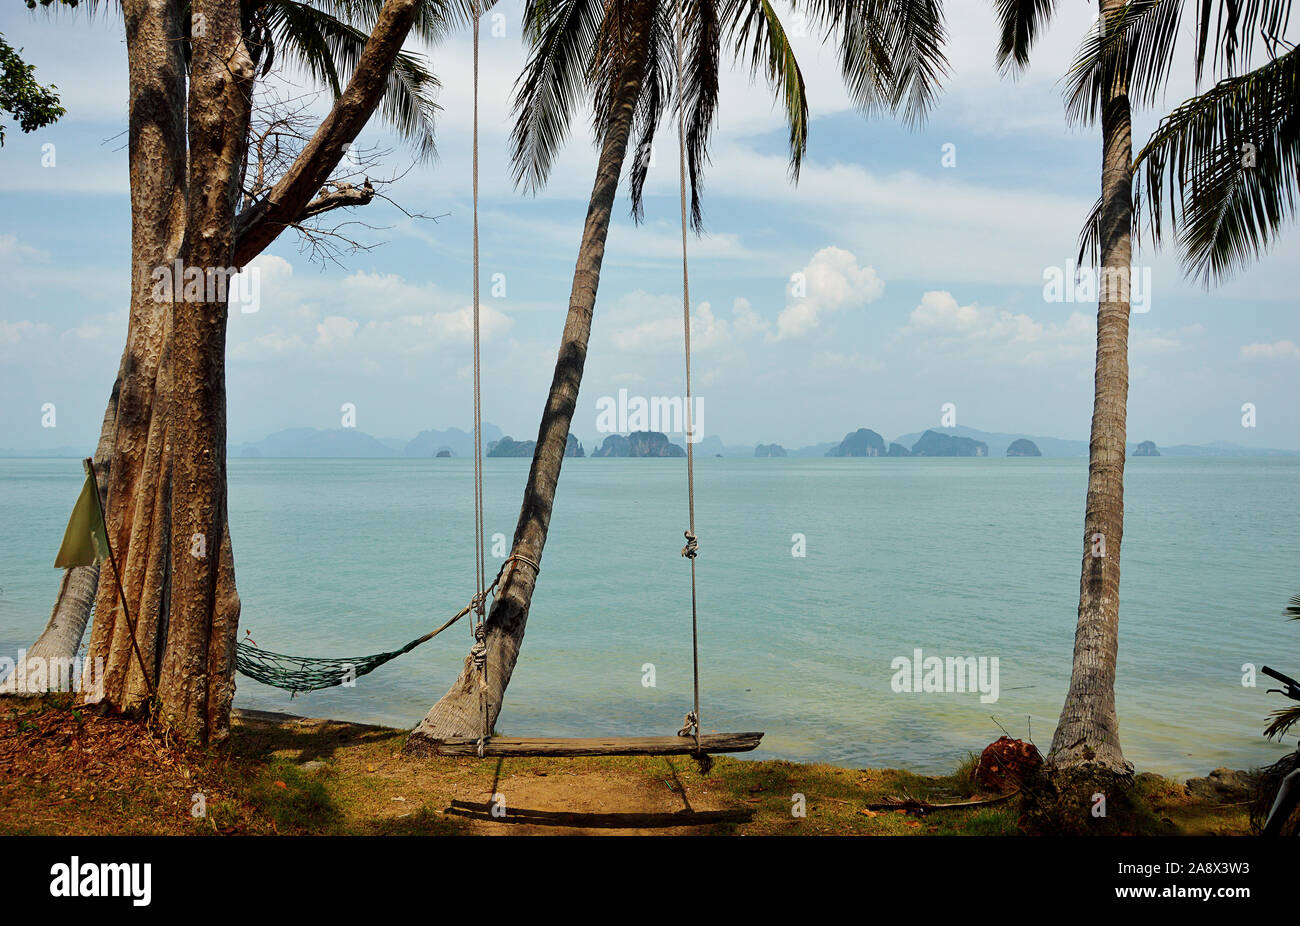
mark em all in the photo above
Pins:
pixel 891 55
pixel 1223 168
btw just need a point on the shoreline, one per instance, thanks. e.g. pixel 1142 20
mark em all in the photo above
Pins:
pixel 66 771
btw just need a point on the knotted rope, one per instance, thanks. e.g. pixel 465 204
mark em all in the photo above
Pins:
pixel 478 652
pixel 692 545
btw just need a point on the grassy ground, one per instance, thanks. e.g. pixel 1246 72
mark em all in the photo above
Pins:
pixel 64 771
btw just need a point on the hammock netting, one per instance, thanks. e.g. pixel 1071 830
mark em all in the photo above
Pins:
pixel 308 673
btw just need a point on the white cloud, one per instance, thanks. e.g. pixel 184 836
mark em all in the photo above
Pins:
pixel 645 323
pixel 13 332
pixel 998 335
pixel 335 331
pixel 369 316
pixel 12 251
pixel 456 326
pixel 1276 350
pixel 832 281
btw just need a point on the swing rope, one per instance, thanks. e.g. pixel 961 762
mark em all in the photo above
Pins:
pixel 309 673
pixel 691 723
pixel 302 673
pixel 478 652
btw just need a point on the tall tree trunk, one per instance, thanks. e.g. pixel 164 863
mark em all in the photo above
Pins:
pixel 256 229
pixel 1088 731
pixel 137 481
pixel 196 668
pixel 76 599
pixel 457 713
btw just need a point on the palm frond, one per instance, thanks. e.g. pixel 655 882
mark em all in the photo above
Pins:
pixel 1237 25
pixel 891 51
pixel 758 37
pixel 656 87
pixel 434 19
pixel 1090 234
pixel 702 67
pixel 563 36
pixel 1230 162
pixel 1283 719
pixel 1019 24
pixel 1128 50
pixel 1134 47
pixel 328 50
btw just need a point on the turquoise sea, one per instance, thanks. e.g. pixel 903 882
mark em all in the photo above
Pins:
pixel 956 557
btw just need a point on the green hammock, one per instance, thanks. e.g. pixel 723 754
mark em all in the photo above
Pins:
pixel 310 673
pixel 307 673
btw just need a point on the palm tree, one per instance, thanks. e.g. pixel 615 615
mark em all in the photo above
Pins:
pixel 325 40
pixel 619 55
pixel 1128 57
pixel 1087 736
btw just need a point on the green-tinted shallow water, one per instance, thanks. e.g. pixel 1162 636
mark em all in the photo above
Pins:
pixel 955 557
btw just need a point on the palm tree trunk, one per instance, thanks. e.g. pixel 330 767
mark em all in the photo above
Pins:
pixel 1088 731
pixel 457 713
pixel 62 636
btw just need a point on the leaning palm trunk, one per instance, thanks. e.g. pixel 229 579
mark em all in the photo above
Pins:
pixel 458 712
pixel 1088 731
pixel 59 642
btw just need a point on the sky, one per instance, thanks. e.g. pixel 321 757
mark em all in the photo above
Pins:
pixel 904 272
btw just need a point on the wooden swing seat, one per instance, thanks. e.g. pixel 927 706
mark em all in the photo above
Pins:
pixel 598 746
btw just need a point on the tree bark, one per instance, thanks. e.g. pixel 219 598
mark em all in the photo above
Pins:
pixel 137 481
pixel 196 669
pixel 1088 731
pixel 458 712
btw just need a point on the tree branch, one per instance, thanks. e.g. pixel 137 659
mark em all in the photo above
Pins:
pixel 343 195
pixel 261 223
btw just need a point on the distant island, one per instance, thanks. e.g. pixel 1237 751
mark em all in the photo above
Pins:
pixel 938 444
pixel 508 447
pixel 639 444
pixel 1023 447
pixel 343 443
pixel 863 442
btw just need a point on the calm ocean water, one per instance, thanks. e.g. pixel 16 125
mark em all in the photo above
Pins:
pixel 961 557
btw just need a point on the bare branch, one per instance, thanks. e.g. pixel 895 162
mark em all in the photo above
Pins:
pixel 342 194
pixel 262 222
